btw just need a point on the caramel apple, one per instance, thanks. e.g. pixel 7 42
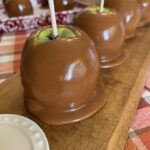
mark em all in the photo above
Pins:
pixel 61 78
pixel 130 11
pixel 107 31
pixel 16 8
pixel 64 4
pixel 61 4
pixel 145 12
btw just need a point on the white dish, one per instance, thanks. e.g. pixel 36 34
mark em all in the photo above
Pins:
pixel 20 133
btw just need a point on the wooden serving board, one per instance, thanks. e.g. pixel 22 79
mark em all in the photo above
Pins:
pixel 107 129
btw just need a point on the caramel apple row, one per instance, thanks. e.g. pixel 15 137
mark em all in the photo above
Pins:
pixel 16 8
pixel 134 13
pixel 109 28
pixel 61 76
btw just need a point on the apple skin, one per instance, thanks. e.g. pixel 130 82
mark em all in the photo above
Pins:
pixel 106 30
pixel 59 75
pixel 145 12
pixel 16 8
pixel 130 11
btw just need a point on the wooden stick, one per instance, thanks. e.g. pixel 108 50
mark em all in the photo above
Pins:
pixel 101 6
pixel 53 18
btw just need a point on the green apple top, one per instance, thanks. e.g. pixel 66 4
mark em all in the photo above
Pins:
pixel 47 34
pixel 97 9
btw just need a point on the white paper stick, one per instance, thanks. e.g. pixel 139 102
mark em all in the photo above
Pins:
pixel 101 6
pixel 53 18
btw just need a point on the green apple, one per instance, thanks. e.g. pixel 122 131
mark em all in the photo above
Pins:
pixel 97 9
pixel 47 34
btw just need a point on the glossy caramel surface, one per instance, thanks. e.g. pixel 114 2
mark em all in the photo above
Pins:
pixel 61 4
pixel 60 77
pixel 16 8
pixel 145 11
pixel 130 11
pixel 64 4
pixel 106 30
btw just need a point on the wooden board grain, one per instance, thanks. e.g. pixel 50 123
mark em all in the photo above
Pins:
pixel 107 129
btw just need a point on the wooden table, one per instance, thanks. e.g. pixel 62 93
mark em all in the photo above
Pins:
pixel 106 130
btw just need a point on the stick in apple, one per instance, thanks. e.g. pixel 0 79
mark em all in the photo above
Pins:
pixel 53 18
pixel 101 5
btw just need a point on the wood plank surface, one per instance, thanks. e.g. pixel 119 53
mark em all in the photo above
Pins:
pixel 107 129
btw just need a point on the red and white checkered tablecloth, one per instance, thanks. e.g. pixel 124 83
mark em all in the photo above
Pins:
pixel 11 45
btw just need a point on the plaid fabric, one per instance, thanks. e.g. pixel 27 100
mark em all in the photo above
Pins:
pixel 139 134
pixel 11 45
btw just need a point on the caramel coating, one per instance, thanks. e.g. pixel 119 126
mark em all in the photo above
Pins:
pixel 61 4
pixel 107 32
pixel 16 8
pixel 130 11
pixel 61 78
pixel 145 12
